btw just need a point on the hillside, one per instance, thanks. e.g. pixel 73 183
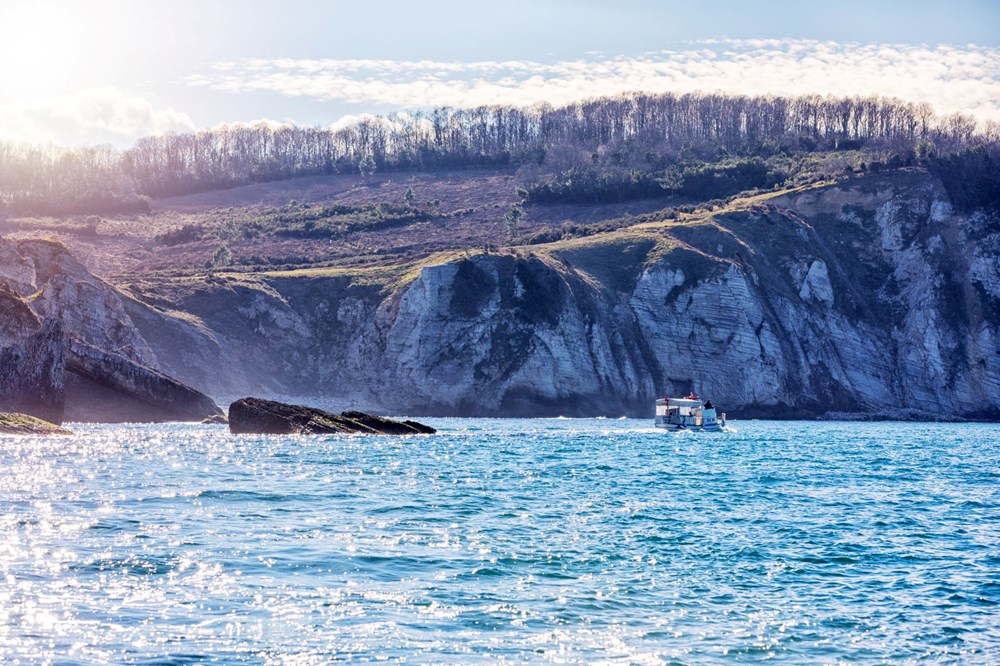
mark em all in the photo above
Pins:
pixel 787 257
pixel 870 295
pixel 322 220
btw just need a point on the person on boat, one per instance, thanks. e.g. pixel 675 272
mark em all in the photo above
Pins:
pixel 708 404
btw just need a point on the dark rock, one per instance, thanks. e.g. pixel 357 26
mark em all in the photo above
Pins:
pixel 17 320
pixel 420 427
pixel 257 416
pixel 388 426
pixel 32 373
pixel 23 424
pixel 105 387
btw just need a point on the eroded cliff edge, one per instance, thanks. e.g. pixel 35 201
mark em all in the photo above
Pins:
pixel 69 350
pixel 872 296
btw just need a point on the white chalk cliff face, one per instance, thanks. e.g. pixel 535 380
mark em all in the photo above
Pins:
pixel 876 298
pixel 57 286
pixel 494 334
pixel 69 349
pixel 870 296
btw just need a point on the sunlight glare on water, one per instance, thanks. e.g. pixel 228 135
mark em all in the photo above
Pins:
pixel 504 541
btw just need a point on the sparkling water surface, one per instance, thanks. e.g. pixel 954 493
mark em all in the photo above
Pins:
pixel 504 541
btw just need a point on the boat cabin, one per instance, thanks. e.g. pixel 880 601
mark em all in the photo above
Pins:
pixel 689 412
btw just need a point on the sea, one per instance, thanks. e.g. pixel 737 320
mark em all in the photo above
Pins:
pixel 504 541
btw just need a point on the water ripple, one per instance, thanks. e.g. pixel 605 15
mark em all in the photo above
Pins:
pixel 514 541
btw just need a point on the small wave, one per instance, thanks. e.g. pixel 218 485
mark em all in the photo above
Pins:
pixel 507 540
pixel 122 525
pixel 171 658
pixel 249 496
pixel 148 565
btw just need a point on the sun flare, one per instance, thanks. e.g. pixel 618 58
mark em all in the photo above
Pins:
pixel 41 48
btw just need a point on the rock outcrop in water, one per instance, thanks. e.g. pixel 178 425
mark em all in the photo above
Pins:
pixel 872 296
pixel 22 424
pixel 267 417
pixel 69 350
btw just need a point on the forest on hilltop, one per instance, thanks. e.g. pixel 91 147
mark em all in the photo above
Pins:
pixel 600 150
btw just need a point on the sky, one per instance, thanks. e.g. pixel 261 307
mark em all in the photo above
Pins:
pixel 84 72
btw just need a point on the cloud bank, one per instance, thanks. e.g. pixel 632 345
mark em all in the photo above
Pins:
pixel 95 115
pixel 965 78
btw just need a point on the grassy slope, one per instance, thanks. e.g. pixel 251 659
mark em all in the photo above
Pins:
pixel 613 258
pixel 460 213
pixel 771 234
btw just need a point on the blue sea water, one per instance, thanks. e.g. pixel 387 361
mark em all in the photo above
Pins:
pixel 504 541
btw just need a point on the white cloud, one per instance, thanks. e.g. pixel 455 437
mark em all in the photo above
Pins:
pixel 965 78
pixel 270 123
pixel 96 115
pixel 348 120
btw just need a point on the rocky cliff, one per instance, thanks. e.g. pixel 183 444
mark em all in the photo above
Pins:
pixel 871 296
pixel 108 387
pixel 32 361
pixel 69 349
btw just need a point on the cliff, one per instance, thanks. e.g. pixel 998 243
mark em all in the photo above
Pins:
pixel 870 296
pixel 69 350
pixel 32 361
pixel 107 387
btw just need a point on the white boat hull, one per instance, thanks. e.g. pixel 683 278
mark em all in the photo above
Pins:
pixel 714 427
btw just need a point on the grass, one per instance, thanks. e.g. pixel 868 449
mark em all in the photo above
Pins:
pixel 374 236
pixel 687 240
pixel 613 259
pixel 329 220
pixel 611 252
pixel 391 276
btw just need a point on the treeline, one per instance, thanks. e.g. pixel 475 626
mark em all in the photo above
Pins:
pixel 611 184
pixel 971 176
pixel 618 142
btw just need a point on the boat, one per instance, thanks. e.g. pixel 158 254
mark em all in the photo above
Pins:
pixel 690 413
